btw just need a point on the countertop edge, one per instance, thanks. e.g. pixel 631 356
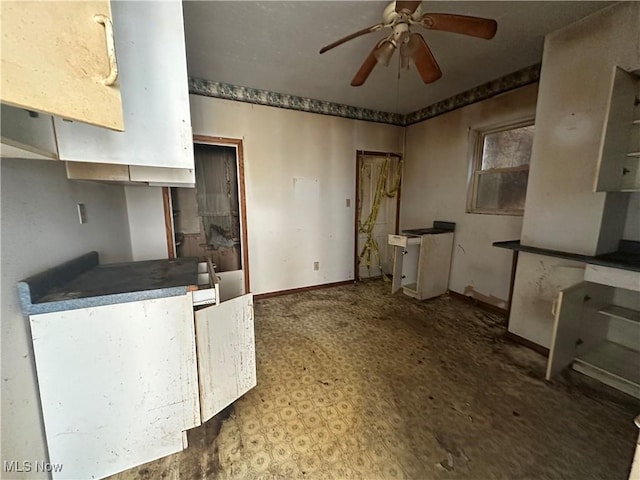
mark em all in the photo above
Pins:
pixel 98 301
pixel 516 245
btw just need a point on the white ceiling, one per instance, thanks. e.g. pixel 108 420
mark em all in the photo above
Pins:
pixel 274 46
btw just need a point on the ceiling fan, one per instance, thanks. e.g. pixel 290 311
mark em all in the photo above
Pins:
pixel 399 16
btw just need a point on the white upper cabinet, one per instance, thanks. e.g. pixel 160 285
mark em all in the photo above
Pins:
pixel 57 58
pixel 150 47
pixel 619 163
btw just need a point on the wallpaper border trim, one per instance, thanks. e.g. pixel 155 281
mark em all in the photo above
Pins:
pixel 238 93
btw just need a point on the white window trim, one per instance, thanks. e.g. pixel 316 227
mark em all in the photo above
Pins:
pixel 476 143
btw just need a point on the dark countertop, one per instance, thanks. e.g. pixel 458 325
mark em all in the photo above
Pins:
pixel 626 258
pixel 438 227
pixel 127 277
pixel 83 282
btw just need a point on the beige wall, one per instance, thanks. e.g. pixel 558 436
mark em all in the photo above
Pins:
pixel 299 171
pixel 435 187
pixel 562 211
pixel 40 229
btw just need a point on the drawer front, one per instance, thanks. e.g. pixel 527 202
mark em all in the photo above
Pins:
pixel 207 296
pixel 398 240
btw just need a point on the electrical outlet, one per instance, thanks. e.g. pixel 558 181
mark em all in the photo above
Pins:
pixel 348 202
pixel 316 265
pixel 82 213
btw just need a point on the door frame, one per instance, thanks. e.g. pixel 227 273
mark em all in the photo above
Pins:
pixel 224 142
pixel 359 155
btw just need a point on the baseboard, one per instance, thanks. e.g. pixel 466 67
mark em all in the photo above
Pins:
pixel 527 343
pixel 479 303
pixel 261 296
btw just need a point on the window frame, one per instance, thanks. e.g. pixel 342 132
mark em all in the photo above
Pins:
pixel 476 144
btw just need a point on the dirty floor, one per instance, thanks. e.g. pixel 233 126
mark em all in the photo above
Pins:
pixel 356 383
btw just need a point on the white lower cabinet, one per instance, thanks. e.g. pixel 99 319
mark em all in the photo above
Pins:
pixel 421 264
pixel 120 384
pixel 597 332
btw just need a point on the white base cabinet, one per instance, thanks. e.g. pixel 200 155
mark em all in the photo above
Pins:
pixel 421 264
pixel 597 329
pixel 120 384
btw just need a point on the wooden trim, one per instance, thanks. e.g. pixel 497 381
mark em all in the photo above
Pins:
pixel 243 213
pixel 356 216
pixel 527 343
pixel 262 296
pixel 238 143
pixel 378 154
pixel 359 155
pixel 479 303
pixel 397 230
pixel 168 223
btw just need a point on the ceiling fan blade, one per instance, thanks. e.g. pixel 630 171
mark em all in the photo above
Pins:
pixel 463 24
pixel 365 69
pixel 423 58
pixel 407 7
pixel 357 34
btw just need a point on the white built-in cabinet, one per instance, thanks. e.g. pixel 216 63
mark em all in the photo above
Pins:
pixel 58 58
pixel 155 96
pixel 597 328
pixel 421 264
pixel 619 161
pixel 156 146
pixel 27 134
pixel 120 384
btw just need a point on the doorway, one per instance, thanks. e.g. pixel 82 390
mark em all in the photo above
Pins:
pixel 209 221
pixel 378 180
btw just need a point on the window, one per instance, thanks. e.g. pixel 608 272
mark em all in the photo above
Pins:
pixel 500 165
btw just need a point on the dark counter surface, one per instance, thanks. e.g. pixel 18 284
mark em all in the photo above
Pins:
pixel 438 227
pixel 128 277
pixel 83 282
pixel 626 258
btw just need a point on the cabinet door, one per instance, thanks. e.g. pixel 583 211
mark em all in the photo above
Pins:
pixel 118 383
pixel 155 94
pixel 434 265
pixel 568 321
pixel 55 60
pixel 398 256
pixel 226 353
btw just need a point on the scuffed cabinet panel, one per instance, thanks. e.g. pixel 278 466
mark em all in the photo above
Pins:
pixel 226 353
pixel 118 383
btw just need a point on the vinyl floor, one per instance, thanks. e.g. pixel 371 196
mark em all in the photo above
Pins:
pixel 354 383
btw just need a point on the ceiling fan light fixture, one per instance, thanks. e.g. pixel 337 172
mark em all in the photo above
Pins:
pixel 384 52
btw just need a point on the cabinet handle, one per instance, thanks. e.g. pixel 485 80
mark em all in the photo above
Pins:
pixel 111 48
pixel 554 307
